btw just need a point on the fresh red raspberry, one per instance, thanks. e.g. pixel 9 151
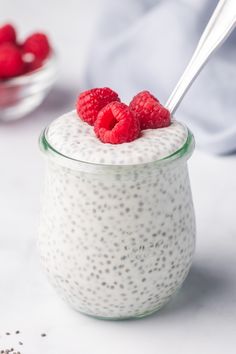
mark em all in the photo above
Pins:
pixel 11 62
pixel 149 111
pixel 33 65
pixel 90 102
pixel 116 124
pixel 38 45
pixel 7 34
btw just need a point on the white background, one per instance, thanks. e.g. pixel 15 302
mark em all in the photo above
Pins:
pixel 200 319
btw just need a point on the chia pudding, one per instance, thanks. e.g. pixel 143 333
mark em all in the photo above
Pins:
pixel 117 230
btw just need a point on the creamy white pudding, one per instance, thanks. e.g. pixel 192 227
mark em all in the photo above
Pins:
pixel 74 138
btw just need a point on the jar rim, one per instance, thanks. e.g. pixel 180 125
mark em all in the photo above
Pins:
pixel 185 151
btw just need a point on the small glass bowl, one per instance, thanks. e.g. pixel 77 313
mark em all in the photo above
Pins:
pixel 22 94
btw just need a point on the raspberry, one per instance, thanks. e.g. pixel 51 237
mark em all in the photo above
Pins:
pixel 90 102
pixel 116 124
pixel 7 34
pixel 33 65
pixel 149 111
pixel 11 63
pixel 38 45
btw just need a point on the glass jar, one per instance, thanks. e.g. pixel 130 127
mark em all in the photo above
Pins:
pixel 117 241
pixel 22 94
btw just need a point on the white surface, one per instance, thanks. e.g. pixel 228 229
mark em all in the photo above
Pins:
pixel 200 319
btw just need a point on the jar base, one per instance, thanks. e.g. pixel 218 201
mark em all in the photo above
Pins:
pixel 125 318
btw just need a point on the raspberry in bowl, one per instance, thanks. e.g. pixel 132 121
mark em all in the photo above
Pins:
pixel 117 231
pixel 27 72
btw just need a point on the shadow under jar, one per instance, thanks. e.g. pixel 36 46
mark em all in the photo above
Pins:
pixel 117 241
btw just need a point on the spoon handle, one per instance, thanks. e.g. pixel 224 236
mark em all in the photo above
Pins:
pixel 221 24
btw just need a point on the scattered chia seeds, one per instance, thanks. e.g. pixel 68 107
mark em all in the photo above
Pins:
pixel 12 350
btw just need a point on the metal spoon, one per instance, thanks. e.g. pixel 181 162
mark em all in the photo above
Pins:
pixel 219 27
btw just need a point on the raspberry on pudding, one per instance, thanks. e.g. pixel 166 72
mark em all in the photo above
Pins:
pixel 115 124
pixel 149 111
pixel 90 102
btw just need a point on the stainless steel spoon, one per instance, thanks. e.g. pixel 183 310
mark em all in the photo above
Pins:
pixel 221 24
